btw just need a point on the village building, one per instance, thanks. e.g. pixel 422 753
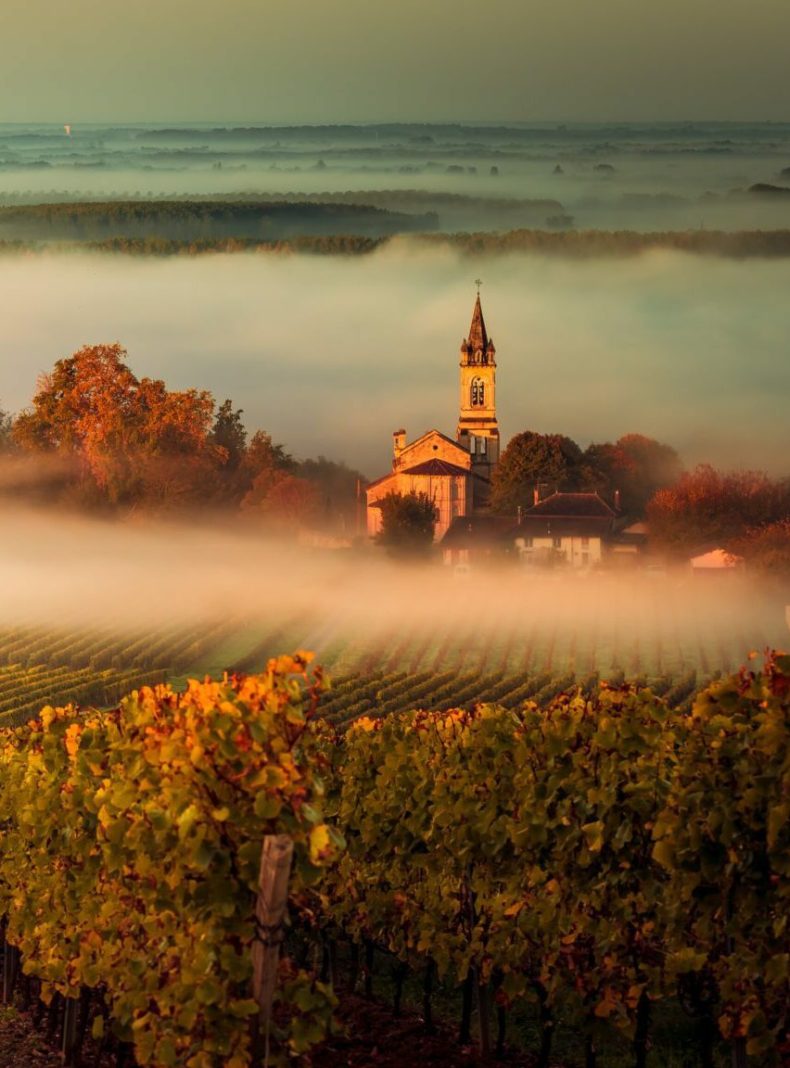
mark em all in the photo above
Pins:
pixel 575 530
pixel 561 530
pixel 454 474
pixel 566 528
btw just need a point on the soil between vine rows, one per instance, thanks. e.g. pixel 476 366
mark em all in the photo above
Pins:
pixel 370 1037
pixel 21 1045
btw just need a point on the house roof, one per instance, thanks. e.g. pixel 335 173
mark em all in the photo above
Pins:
pixel 575 505
pixel 536 526
pixel 716 559
pixel 627 537
pixel 479 532
pixel 640 527
pixel 435 467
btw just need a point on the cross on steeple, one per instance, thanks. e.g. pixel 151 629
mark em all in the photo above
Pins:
pixel 478 283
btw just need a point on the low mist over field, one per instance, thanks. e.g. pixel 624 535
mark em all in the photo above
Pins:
pixel 360 610
pixel 330 355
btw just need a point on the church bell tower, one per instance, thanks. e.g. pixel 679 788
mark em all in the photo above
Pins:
pixel 478 430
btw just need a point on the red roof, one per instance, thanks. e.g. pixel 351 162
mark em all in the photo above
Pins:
pixel 571 506
pixel 435 467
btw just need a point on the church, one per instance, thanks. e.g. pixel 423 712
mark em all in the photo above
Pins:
pixel 454 474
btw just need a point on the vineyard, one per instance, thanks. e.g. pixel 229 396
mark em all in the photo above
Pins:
pixel 604 863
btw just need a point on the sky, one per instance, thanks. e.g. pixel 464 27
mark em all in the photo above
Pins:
pixel 411 60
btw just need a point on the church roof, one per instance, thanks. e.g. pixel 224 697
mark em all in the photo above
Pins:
pixel 571 505
pixel 435 467
pixel 434 433
pixel 478 339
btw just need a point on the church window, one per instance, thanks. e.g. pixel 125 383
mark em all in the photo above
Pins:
pixel 478 393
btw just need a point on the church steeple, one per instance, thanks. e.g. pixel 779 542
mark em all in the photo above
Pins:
pixel 478 338
pixel 478 431
pixel 478 348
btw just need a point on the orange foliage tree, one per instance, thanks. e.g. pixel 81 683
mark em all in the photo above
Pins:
pixel 710 506
pixel 134 440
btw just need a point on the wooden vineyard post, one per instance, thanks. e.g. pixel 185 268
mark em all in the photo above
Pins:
pixel 10 968
pixel 276 858
pixel 69 1038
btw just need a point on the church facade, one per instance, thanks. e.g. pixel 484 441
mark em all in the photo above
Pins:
pixel 455 474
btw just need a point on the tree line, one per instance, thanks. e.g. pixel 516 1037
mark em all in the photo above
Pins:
pixel 97 437
pixel 202 220
pixel 574 244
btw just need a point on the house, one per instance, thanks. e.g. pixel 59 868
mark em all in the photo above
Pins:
pixel 454 474
pixel 715 561
pixel 628 544
pixel 562 530
pixel 566 529
pixel 479 538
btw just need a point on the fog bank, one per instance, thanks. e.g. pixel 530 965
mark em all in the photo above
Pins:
pixel 357 610
pixel 331 355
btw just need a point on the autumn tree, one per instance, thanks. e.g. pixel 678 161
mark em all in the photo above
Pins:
pixel 635 465
pixel 533 459
pixel 766 549
pixel 6 432
pixel 134 441
pixel 707 506
pixel 339 487
pixel 408 523
pixel 282 501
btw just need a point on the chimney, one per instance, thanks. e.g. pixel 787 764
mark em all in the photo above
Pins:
pixel 536 495
pixel 398 444
pixel 518 515
pixel 617 500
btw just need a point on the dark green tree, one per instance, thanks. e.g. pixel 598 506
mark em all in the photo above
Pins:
pixel 532 459
pixel 408 523
pixel 229 433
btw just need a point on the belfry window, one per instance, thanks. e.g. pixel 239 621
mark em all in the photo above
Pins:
pixel 478 393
